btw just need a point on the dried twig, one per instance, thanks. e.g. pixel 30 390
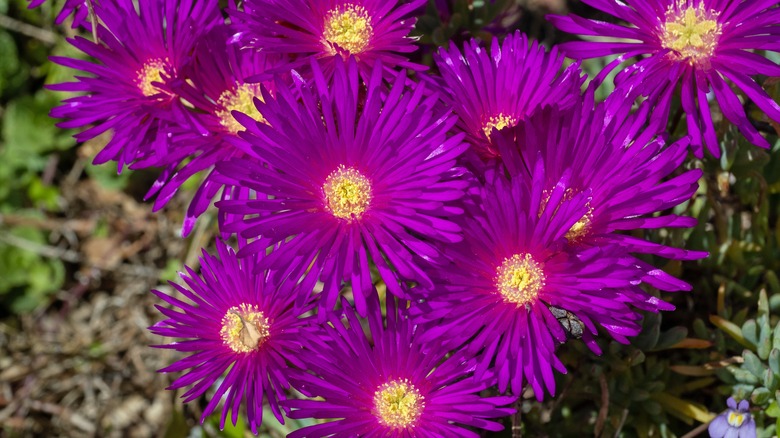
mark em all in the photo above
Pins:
pixel 44 250
pixel 622 422
pixel 31 31
pixel 695 432
pixel 517 422
pixel 604 410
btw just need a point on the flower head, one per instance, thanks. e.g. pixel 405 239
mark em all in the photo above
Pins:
pixel 395 386
pixel 735 422
pixel 239 322
pixel 695 43
pixel 512 266
pixel 369 30
pixel 497 88
pixel 345 175
pixel 215 83
pixel 139 55
pixel 630 173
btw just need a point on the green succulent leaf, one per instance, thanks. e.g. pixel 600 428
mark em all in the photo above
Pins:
pixel 774 361
pixel 770 380
pixel 760 396
pixel 753 364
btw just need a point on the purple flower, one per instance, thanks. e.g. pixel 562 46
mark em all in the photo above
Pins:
pixel 240 324
pixel 127 91
pixel 735 422
pixel 392 386
pixel 699 44
pixel 498 88
pixel 77 8
pixel 512 266
pixel 347 174
pixel 215 85
pixel 631 175
pixel 369 30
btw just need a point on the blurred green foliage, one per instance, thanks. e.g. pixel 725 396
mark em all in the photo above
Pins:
pixel 30 147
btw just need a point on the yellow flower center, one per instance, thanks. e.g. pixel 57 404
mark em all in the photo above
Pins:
pixel 238 99
pixel 581 228
pixel 347 193
pixel 691 33
pixel 349 27
pixel 398 404
pixel 499 122
pixel 519 279
pixel 735 419
pixel 244 328
pixel 151 71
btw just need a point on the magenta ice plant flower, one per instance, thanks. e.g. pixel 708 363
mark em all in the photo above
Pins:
pixel 392 386
pixel 369 30
pixel 632 176
pixel 214 82
pixel 497 87
pixel 701 45
pixel 347 174
pixel 241 332
pixel 127 89
pixel 513 264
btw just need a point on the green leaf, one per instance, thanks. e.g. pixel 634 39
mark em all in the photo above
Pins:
pixel 764 345
pixel 106 175
pixel 750 331
pixel 29 275
pixel 232 431
pixel 760 396
pixel 45 196
pixel 744 376
pixel 763 302
pixel 774 361
pixel 10 67
pixel 29 133
pixel 651 331
pixel 776 337
pixel 773 410
pixel 700 329
pixel 770 380
pixel 753 364
pixel 683 409
pixel 732 330
pixel 671 338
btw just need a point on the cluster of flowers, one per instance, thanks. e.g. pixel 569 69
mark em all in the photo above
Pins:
pixel 475 218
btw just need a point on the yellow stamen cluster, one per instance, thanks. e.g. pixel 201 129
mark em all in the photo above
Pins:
pixel 151 71
pixel 519 279
pixel 691 32
pixel 244 328
pixel 735 419
pixel 349 27
pixel 238 99
pixel 398 404
pixel 347 193
pixel 499 122
pixel 581 228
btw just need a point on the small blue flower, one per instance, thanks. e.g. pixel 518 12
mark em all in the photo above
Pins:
pixel 735 422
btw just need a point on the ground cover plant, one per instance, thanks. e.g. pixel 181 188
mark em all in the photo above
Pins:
pixel 441 218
